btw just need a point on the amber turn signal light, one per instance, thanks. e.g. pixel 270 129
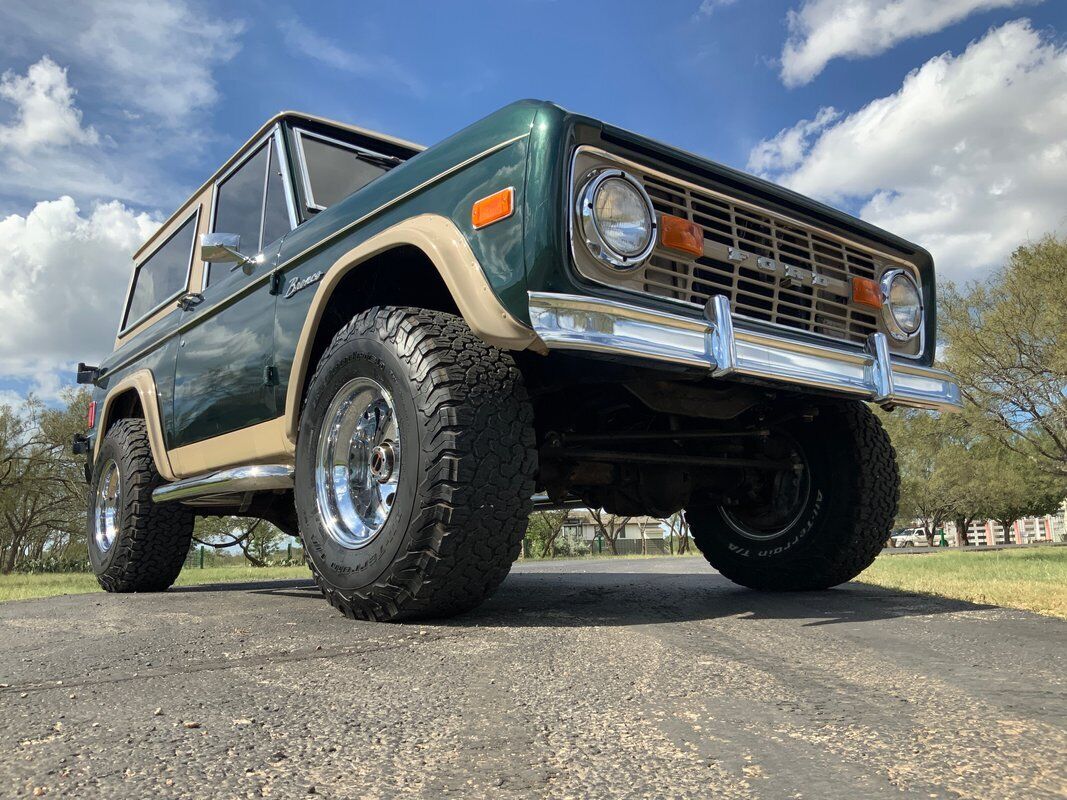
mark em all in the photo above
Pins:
pixel 493 208
pixel 91 420
pixel 866 292
pixel 681 234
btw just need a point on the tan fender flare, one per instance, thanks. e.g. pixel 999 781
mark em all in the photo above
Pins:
pixel 144 384
pixel 447 248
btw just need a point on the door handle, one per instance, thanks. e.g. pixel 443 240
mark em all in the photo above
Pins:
pixel 190 301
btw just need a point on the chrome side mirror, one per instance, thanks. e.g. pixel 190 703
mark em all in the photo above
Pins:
pixel 224 248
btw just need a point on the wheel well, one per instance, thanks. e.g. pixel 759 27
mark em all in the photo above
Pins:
pixel 402 276
pixel 126 405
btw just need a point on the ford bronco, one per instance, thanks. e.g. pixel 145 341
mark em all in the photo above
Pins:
pixel 392 351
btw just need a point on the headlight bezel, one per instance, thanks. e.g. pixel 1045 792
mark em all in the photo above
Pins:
pixel 892 324
pixel 594 239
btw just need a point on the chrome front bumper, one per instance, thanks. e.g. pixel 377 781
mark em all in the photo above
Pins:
pixel 574 322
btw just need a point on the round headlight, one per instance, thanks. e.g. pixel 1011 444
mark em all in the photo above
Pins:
pixel 617 217
pixel 903 308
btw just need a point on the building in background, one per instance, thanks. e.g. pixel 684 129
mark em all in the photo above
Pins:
pixel 635 534
pixel 1049 528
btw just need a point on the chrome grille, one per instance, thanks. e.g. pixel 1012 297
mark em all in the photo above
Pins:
pixel 770 269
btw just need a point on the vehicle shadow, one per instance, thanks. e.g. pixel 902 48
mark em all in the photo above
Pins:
pixel 581 599
pixel 607 598
pixel 305 585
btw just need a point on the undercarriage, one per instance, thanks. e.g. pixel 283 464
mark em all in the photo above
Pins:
pixel 640 442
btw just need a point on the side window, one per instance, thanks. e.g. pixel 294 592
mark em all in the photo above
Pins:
pixel 275 209
pixel 251 203
pixel 239 204
pixel 333 170
pixel 163 275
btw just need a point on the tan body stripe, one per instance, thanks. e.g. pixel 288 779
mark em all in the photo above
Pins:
pixel 274 441
pixel 144 384
pixel 445 246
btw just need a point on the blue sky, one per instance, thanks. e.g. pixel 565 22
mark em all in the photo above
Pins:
pixel 125 107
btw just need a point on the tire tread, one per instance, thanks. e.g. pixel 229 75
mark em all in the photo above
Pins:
pixel 859 531
pixel 154 539
pixel 475 496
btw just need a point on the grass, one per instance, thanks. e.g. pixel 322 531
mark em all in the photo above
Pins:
pixel 26 587
pixel 1033 579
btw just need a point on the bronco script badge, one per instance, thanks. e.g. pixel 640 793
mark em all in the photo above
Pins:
pixel 296 284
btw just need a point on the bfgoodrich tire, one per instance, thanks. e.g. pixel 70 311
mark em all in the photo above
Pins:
pixel 842 517
pixel 415 466
pixel 134 544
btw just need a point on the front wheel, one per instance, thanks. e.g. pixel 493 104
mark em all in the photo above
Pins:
pixel 816 525
pixel 415 466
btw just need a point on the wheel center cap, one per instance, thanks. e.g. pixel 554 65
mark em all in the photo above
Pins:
pixel 382 459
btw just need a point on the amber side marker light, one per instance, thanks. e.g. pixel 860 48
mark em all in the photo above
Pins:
pixel 866 292
pixel 493 208
pixel 681 234
pixel 92 414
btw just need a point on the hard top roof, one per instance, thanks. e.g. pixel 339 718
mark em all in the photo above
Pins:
pixel 287 116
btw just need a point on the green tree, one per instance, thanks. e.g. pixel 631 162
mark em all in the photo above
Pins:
pixel 967 486
pixel 1013 488
pixel 257 539
pixel 42 485
pixel 544 531
pixel 1007 345
pixel 610 526
pixel 946 469
pixel 923 456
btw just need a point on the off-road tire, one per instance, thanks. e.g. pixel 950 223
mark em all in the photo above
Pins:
pixel 467 471
pixel 153 540
pixel 855 471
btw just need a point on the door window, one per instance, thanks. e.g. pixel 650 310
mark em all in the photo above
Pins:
pixel 275 208
pixel 162 276
pixel 251 202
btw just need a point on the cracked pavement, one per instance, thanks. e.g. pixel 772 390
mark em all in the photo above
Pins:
pixel 606 678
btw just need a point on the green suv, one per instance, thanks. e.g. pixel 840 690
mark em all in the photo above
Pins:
pixel 395 352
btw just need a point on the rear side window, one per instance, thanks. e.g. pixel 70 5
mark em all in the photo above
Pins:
pixel 333 170
pixel 163 275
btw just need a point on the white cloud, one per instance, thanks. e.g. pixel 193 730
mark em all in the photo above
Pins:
pixel 154 57
pixel 968 157
pixel 45 115
pixel 823 30
pixel 46 150
pixel 709 7
pixel 305 42
pixel 9 397
pixel 144 74
pixel 64 275
pixel 787 150
pixel 160 54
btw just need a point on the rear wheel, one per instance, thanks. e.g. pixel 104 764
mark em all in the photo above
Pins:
pixel 134 544
pixel 817 525
pixel 415 466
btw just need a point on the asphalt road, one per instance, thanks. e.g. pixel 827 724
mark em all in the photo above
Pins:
pixel 580 679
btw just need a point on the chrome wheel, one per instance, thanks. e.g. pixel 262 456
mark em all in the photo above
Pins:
pixel 108 500
pixel 357 472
